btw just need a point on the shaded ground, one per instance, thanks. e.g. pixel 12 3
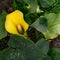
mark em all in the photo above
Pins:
pixel 55 43
pixel 6 5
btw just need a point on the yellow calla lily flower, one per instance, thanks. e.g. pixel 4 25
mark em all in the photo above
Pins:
pixel 15 22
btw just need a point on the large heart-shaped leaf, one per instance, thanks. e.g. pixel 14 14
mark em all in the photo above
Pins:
pixel 50 27
pixel 21 49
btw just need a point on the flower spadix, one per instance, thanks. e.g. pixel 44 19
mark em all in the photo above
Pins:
pixel 15 23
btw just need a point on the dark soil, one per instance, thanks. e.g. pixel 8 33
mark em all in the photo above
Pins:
pixel 55 43
pixel 6 5
pixel 3 43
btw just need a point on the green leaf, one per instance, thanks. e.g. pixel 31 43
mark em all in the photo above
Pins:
pixel 40 36
pixel 33 5
pixel 14 5
pixel 49 25
pixel 49 35
pixel 58 1
pixel 56 8
pixel 3 32
pixel 12 54
pixel 18 54
pixel 55 54
pixel 46 3
pixel 43 45
pixel 53 29
pixel 40 24
pixel 1 54
pixel 22 49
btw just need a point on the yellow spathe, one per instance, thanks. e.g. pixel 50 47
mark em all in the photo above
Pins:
pixel 15 22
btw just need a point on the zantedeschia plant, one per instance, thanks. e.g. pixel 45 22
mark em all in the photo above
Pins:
pixel 15 23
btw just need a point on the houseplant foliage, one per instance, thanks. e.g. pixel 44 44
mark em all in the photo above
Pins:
pixel 30 27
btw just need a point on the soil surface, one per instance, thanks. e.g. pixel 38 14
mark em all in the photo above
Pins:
pixel 55 43
pixel 6 5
